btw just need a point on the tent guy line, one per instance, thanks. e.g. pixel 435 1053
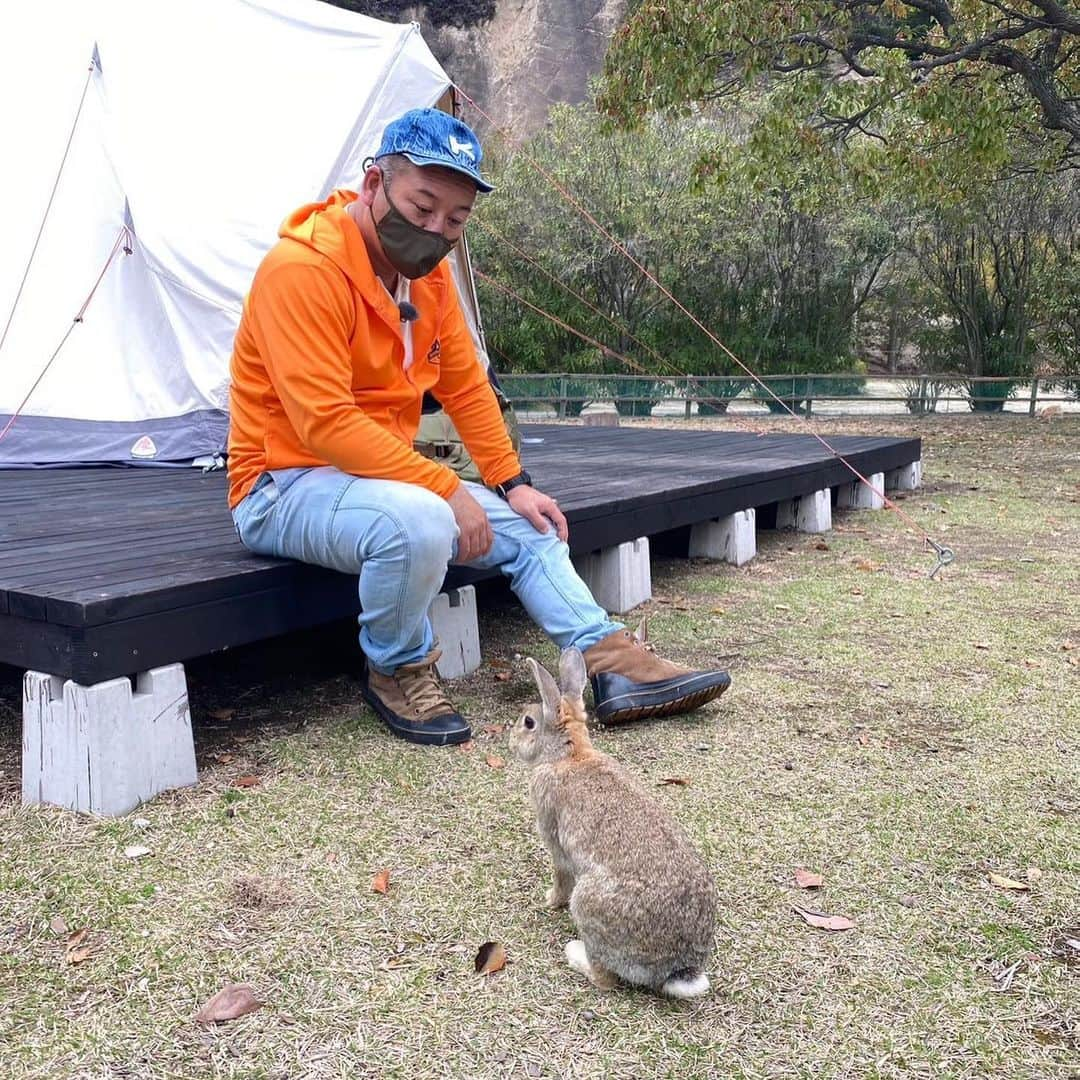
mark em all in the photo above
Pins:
pixel 945 554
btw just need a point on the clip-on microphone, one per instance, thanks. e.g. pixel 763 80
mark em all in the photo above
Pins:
pixel 408 312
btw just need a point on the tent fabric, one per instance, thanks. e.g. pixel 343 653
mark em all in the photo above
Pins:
pixel 204 124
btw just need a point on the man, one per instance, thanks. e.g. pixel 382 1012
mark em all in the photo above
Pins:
pixel 351 318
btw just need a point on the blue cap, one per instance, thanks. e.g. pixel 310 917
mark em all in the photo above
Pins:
pixel 433 137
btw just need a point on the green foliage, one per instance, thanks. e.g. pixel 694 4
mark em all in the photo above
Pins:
pixel 778 285
pixel 892 96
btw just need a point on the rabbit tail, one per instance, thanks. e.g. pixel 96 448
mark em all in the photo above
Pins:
pixel 686 984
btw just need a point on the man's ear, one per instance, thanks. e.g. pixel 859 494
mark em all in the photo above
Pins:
pixel 369 186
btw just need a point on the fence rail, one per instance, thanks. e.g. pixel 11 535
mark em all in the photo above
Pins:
pixel 638 395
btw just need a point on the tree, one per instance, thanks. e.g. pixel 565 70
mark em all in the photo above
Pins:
pixel 933 95
pixel 781 287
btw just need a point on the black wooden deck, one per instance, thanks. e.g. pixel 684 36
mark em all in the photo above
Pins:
pixel 108 571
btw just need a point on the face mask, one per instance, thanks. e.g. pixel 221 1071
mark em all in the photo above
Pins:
pixel 412 251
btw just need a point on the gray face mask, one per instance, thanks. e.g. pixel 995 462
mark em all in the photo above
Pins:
pixel 412 251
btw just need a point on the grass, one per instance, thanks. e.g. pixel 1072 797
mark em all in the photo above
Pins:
pixel 901 736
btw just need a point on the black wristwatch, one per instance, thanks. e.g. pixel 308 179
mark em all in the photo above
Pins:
pixel 504 489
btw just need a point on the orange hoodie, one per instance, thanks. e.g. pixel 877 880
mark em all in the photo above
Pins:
pixel 317 375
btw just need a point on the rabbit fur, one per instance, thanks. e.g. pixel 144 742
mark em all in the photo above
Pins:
pixel 640 896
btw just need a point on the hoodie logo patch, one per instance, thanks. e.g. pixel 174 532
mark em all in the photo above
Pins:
pixel 435 352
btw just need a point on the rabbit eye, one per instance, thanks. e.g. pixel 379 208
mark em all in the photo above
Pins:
pixel 530 723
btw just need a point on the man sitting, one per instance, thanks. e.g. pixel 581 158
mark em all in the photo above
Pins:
pixel 351 318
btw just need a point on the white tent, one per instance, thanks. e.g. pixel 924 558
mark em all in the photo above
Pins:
pixel 204 123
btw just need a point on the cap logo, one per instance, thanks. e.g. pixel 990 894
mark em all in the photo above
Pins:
pixel 462 148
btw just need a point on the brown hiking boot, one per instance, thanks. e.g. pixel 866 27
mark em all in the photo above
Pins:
pixel 412 703
pixel 630 682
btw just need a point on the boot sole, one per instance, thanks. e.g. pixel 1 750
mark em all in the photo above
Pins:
pixel 416 733
pixel 628 712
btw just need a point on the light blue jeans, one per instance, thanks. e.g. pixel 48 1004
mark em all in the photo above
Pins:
pixel 399 539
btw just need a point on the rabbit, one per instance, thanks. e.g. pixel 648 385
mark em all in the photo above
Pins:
pixel 640 896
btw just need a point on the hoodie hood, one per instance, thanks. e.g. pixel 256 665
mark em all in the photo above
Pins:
pixel 325 227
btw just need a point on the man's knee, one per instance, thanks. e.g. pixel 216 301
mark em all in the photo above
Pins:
pixel 425 522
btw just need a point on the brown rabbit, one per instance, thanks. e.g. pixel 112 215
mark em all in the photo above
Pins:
pixel 639 894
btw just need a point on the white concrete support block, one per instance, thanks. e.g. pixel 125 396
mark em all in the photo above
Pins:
pixel 105 749
pixel 619 577
pixel 808 513
pixel 453 618
pixel 732 539
pixel 908 478
pixel 858 496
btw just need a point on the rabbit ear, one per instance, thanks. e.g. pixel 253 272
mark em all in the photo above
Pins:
pixel 549 691
pixel 572 674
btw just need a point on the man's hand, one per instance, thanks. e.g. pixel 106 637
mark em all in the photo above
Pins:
pixel 539 509
pixel 475 537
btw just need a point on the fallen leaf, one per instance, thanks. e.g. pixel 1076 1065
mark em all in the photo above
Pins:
pixel 676 781
pixel 1008 883
pixel 381 881
pixel 493 729
pixel 224 759
pixel 856 592
pixel 465 747
pixel 825 922
pixel 77 937
pixel 236 999
pixel 820 545
pixel 490 957
pixel 866 564
pixel 77 956
pixel 1029 663
pixel 717 611
pixel 1068 646
pixel 503 676
pixel 1033 874
pixel 781 607
pixel 247 781
pixel 981 644
pixel 221 714
pixel 136 851
pixel 495 761
pixel 807 879
pixel 57 925
pixel 141 823
pixel 864 739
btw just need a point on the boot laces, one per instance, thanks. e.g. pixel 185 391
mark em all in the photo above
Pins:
pixel 420 685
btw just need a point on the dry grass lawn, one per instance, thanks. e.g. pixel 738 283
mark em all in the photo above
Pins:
pixel 905 738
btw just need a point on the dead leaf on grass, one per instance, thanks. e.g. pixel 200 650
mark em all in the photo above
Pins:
pixel 807 879
pixel 247 781
pixel 825 922
pixel 77 956
pixel 866 565
pixel 465 747
pixel 981 644
pixel 820 545
pixel 503 676
pixel 230 1002
pixel 381 882
pixel 495 762
pixel 675 781
pixel 493 729
pixel 57 925
pixel 490 957
pixel 1068 646
pixel 136 851
pixel 1033 874
pixel 1003 882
